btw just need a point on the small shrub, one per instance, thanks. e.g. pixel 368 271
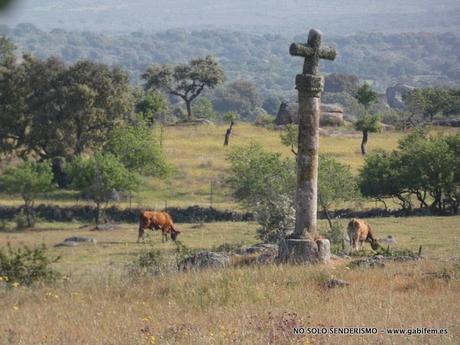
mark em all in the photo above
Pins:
pixel 264 120
pixel 276 218
pixel 336 236
pixel 150 259
pixel 21 221
pixel 3 225
pixel 182 252
pixel 27 266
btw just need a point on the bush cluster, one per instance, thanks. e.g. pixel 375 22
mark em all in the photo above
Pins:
pixel 26 265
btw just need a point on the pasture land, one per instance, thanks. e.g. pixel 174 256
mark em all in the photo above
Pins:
pixel 104 302
pixel 198 155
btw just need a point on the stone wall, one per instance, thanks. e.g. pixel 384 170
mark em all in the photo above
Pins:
pixel 192 214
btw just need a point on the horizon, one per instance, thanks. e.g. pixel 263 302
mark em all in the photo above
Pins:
pixel 290 17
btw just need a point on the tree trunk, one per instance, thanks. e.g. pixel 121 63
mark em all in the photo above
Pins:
pixel 328 217
pixel 228 134
pixel 98 213
pixel 29 213
pixel 384 203
pixel 364 142
pixel 189 109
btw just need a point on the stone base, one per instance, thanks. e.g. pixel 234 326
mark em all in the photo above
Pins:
pixel 301 251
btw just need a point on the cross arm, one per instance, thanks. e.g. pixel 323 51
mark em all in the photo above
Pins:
pixel 304 50
pixel 327 53
pixel 299 49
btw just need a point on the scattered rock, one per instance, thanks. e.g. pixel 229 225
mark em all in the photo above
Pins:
pixel 104 227
pixel 367 263
pixel 205 259
pixel 404 258
pixel 330 115
pixel 333 283
pixel 395 95
pixel 67 244
pixel 324 250
pixel 267 257
pixel 258 248
pixel 75 241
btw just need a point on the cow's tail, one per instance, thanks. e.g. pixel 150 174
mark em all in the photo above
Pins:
pixel 351 231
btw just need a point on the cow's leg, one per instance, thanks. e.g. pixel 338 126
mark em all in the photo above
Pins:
pixel 355 245
pixel 141 233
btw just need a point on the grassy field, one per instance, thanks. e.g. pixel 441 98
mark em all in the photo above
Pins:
pixel 103 299
pixel 439 237
pixel 103 302
pixel 198 155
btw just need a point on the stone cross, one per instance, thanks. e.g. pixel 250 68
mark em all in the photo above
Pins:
pixel 312 52
pixel 309 84
pixel 300 247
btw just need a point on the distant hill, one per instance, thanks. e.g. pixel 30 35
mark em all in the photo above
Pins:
pixel 336 17
pixel 419 59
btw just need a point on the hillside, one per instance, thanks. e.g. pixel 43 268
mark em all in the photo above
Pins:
pixel 263 16
pixel 419 59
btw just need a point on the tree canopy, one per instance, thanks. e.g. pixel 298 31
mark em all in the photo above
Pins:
pixel 100 178
pixel 50 109
pixel 186 81
pixel 424 168
pixel 28 180
pixel 138 149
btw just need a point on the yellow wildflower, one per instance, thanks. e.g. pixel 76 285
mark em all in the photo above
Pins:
pixel 15 284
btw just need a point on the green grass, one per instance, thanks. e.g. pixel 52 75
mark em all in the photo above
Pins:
pixel 439 236
pixel 198 155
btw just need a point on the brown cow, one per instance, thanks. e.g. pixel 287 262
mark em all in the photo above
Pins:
pixel 358 232
pixel 157 221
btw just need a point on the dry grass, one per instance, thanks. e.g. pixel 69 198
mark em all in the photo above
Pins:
pixel 233 306
pixel 198 155
pixel 103 302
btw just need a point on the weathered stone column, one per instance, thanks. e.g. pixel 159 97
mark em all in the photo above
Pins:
pixel 302 247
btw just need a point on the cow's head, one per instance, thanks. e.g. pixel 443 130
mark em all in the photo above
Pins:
pixel 174 234
pixel 375 245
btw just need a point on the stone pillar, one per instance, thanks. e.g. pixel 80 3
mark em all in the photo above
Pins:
pixel 302 246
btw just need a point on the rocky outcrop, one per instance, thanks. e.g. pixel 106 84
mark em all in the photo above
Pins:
pixel 204 259
pixel 331 114
pixel 76 241
pixel 395 95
